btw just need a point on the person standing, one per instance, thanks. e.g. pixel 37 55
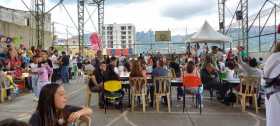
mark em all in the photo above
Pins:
pixel 44 54
pixel 272 71
pixel 43 71
pixel 34 77
pixel 64 68
pixel 54 59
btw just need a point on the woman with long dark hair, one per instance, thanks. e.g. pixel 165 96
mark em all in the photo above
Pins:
pixel 111 74
pixel 52 109
pixel 137 70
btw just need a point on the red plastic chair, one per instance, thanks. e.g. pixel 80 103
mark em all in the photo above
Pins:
pixel 189 82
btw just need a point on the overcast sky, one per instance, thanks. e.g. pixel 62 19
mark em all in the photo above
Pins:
pixel 174 15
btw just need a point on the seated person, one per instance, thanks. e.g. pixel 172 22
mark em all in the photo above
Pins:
pixel 230 75
pixel 111 74
pixel 88 68
pixel 93 85
pixel 52 108
pixel 192 71
pixel 209 76
pixel 159 71
pixel 137 70
pixel 250 68
pixel 97 80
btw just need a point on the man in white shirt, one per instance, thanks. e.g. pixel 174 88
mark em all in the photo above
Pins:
pixel 55 62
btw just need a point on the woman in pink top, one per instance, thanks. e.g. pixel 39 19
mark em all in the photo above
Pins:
pixel 43 71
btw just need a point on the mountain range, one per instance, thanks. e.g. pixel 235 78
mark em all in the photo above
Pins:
pixel 146 40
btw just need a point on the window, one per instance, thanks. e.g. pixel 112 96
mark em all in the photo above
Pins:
pixel 129 32
pixel 112 44
pixel 123 33
pixel 129 37
pixel 123 28
pixel 123 37
pixel 109 28
pixel 129 27
pixel 109 37
pixel 123 44
pixel 129 41
pixel 109 32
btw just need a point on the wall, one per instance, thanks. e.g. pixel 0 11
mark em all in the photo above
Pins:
pixel 26 33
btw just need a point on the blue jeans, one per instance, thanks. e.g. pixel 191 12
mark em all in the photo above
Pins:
pixel 64 74
pixel 34 82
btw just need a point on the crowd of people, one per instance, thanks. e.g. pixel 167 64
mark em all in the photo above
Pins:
pixel 46 67
pixel 198 61
pixel 42 66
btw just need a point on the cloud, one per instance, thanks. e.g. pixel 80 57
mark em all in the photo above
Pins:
pixel 108 2
pixel 187 9
pixel 123 1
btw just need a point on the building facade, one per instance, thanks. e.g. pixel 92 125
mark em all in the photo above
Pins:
pixel 118 36
pixel 21 24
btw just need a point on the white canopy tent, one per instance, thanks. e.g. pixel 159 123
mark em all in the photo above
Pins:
pixel 208 35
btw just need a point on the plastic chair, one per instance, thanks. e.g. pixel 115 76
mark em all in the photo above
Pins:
pixel 193 83
pixel 162 88
pixel 6 84
pixel 139 88
pixel 172 73
pixel 89 93
pixel 248 88
pixel 113 93
pixel 84 121
pixel 2 92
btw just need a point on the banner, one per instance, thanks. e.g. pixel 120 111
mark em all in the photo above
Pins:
pixel 95 41
pixel 163 35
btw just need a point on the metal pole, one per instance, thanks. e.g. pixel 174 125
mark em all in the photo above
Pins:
pixel 53 37
pixel 259 33
pixel 67 40
pixel 275 21
pixel 81 8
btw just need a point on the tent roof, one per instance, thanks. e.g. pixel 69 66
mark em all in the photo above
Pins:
pixel 208 35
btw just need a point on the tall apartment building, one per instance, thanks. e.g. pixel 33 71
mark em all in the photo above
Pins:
pixel 119 36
